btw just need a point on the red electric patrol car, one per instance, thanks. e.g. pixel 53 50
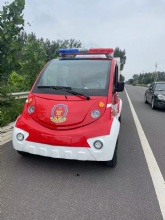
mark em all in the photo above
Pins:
pixel 73 109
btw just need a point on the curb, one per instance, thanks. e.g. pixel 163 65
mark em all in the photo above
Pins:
pixel 6 133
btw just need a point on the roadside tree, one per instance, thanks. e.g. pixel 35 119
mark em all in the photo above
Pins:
pixel 11 24
pixel 122 55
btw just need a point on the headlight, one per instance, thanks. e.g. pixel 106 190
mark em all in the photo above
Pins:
pixel 161 97
pixel 20 136
pixel 31 109
pixel 95 113
pixel 98 144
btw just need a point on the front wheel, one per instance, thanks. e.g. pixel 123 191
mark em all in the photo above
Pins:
pixel 152 103
pixel 112 163
pixel 22 153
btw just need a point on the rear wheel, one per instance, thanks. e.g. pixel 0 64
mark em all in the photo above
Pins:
pixel 24 154
pixel 112 163
pixel 145 99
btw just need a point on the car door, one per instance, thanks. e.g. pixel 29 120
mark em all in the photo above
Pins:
pixel 115 95
pixel 150 92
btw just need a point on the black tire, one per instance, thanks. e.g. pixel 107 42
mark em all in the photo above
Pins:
pixel 112 163
pixel 152 104
pixel 24 154
pixel 145 99
pixel 120 118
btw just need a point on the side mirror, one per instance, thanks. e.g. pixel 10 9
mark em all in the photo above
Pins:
pixel 119 87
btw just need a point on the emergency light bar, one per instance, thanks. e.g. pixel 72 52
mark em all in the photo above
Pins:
pixel 75 51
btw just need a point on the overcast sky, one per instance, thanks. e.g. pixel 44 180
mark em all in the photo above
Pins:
pixel 138 26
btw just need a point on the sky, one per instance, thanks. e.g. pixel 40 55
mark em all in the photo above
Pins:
pixel 138 26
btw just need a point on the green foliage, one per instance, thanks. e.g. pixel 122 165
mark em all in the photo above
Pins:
pixel 147 78
pixel 52 47
pixel 11 23
pixel 130 81
pixel 122 55
pixel 10 109
pixel 32 60
pixel 17 82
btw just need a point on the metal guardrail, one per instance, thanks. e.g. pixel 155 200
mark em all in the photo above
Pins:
pixel 20 95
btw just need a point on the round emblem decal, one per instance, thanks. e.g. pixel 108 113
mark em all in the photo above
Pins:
pixel 59 113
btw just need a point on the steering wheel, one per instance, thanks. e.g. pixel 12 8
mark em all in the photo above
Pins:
pixel 92 85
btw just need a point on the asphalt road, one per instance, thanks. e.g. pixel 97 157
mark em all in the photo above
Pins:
pixel 39 188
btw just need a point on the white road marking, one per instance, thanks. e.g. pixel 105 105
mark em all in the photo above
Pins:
pixel 157 178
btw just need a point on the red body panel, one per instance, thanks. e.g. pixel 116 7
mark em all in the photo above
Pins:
pixel 77 112
pixel 71 137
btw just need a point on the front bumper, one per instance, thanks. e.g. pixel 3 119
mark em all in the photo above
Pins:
pixel 76 152
pixel 159 103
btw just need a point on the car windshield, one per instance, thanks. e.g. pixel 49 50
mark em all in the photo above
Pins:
pixel 88 77
pixel 160 87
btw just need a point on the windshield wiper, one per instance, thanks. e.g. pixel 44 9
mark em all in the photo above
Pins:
pixel 66 89
pixel 54 87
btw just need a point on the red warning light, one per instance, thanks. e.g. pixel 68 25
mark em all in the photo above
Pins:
pixel 101 51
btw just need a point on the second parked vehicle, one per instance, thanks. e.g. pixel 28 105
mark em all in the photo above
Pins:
pixel 155 94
